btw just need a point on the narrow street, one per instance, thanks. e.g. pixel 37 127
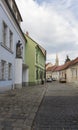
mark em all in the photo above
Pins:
pixel 59 108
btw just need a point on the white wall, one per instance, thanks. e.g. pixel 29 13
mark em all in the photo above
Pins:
pixel 6 55
pixel 25 75
pixel 18 71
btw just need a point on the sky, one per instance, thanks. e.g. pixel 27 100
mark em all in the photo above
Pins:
pixel 53 24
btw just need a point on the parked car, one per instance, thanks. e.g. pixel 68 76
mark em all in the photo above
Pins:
pixel 53 79
pixel 62 80
pixel 49 79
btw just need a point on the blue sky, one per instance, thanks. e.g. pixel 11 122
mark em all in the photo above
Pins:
pixel 53 24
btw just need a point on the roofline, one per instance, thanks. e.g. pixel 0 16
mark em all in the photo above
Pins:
pixel 15 20
pixel 72 63
pixel 41 49
pixel 18 10
pixel 36 43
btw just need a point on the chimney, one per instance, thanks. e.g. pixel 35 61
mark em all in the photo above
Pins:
pixel 27 33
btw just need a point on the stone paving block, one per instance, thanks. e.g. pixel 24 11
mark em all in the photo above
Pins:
pixel 1 127
pixel 7 128
pixel 31 116
pixel 59 108
pixel 28 122
pixel 35 108
pixel 18 106
pixel 17 128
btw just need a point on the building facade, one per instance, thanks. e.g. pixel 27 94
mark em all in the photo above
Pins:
pixel 68 71
pixel 72 71
pixel 35 59
pixel 12 44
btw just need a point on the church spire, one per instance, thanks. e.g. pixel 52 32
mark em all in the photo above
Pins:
pixel 57 60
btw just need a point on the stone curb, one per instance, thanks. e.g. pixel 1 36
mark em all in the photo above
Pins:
pixel 31 118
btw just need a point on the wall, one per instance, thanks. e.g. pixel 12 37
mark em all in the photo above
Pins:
pixel 5 15
pixel 25 76
pixel 18 73
pixel 69 75
pixel 72 73
pixel 30 59
pixel 31 50
pixel 55 75
pixel 40 65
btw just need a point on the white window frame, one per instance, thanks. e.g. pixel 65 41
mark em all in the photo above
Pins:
pixel 9 71
pixel 10 40
pixel 5 33
pixel 3 67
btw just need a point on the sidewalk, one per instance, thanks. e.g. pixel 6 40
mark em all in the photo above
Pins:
pixel 18 107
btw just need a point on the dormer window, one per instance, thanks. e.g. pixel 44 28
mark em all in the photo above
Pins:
pixel 14 10
pixel 10 3
pixel 18 19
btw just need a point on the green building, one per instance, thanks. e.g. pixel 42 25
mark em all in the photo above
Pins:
pixel 35 57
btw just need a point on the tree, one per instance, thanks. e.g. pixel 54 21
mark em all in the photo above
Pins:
pixel 67 59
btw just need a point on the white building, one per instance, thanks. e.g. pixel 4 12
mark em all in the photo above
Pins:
pixel 13 70
pixel 72 71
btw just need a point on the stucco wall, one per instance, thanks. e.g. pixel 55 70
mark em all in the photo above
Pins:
pixel 5 54
pixel 31 49
pixel 72 73
pixel 30 59
pixel 69 75
pixel 55 75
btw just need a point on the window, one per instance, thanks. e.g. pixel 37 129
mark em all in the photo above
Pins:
pixel 10 2
pixel 37 73
pixel 18 19
pixel 4 33
pixel 14 9
pixel 10 39
pixel 9 71
pixel 3 63
pixel 36 55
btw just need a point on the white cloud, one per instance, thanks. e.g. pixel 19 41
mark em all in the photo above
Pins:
pixel 54 26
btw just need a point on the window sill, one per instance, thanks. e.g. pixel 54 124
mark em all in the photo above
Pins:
pixel 9 79
pixel 2 79
pixel 5 79
pixel 7 48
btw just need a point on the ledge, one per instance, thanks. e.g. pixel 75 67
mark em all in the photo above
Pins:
pixel 7 48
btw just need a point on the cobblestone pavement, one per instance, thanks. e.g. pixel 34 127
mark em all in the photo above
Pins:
pixel 18 107
pixel 59 108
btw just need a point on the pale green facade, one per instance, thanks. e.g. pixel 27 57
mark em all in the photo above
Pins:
pixel 35 57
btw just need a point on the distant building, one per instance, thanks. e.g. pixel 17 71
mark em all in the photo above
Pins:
pixel 50 69
pixel 69 71
pixel 72 71
pixel 49 64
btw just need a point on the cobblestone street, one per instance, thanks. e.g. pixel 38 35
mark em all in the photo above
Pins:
pixel 59 108
pixel 18 107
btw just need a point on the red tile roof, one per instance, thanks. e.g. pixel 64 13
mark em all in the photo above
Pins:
pixel 52 68
pixel 74 61
pixel 49 68
pixel 64 66
pixel 48 63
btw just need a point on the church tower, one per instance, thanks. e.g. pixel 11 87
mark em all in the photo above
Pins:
pixel 57 60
